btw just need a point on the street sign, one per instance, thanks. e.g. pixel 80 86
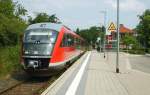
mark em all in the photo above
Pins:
pixel 112 27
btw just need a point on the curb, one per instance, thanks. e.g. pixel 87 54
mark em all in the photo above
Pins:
pixel 147 54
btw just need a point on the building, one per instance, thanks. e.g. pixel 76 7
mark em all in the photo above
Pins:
pixel 111 39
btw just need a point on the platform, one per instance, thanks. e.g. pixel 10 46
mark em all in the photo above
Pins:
pixel 94 75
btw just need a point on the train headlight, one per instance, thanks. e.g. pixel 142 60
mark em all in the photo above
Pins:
pixel 49 45
pixel 47 53
pixel 52 40
pixel 26 52
pixel 35 52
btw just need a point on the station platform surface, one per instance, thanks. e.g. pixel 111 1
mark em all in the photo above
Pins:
pixel 93 74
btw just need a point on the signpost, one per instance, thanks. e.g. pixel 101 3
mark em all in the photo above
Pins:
pixel 117 57
pixel 112 27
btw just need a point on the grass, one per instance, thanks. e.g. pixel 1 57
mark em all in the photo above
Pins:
pixel 141 52
pixel 9 60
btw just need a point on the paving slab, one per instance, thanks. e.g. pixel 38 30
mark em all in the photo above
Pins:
pixel 60 86
pixel 99 77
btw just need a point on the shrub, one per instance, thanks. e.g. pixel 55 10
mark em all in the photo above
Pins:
pixel 137 51
pixel 9 60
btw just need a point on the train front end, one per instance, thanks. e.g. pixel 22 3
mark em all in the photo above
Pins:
pixel 37 48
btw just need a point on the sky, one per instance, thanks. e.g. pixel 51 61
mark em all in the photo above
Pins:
pixel 86 13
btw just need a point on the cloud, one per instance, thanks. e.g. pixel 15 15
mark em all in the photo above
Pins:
pixel 56 6
pixel 85 13
pixel 128 5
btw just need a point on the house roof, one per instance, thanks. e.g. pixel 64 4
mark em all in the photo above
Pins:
pixel 124 29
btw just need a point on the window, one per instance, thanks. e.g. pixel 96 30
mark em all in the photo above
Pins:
pixel 68 40
pixel 39 41
pixel 42 35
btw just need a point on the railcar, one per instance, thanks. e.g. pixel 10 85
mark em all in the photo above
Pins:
pixel 47 48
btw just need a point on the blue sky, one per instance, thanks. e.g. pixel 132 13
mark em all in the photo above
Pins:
pixel 86 13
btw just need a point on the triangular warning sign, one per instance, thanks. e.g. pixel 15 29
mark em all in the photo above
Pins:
pixel 112 27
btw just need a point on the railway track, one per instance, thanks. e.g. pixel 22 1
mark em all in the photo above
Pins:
pixel 7 89
pixel 32 86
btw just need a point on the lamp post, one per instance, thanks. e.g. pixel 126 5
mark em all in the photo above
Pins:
pixel 105 14
pixel 117 57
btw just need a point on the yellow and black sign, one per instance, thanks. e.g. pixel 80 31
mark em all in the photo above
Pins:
pixel 112 27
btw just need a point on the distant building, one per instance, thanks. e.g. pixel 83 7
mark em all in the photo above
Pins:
pixel 112 38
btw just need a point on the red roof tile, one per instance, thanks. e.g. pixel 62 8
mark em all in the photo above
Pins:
pixel 124 29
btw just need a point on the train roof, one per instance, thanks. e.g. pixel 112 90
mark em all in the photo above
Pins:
pixel 47 25
pixel 53 26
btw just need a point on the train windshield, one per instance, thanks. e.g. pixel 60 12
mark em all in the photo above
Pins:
pixel 40 35
pixel 39 41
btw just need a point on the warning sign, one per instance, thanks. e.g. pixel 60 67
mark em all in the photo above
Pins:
pixel 112 27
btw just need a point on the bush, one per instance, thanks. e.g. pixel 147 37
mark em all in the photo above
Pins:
pixel 148 50
pixel 137 51
pixel 9 60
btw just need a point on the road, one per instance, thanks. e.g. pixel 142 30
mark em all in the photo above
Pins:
pixel 141 63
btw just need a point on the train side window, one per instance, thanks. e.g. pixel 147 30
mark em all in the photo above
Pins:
pixel 68 40
pixel 79 43
pixel 63 41
pixel 72 41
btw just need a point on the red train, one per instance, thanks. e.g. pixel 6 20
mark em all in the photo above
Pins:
pixel 47 48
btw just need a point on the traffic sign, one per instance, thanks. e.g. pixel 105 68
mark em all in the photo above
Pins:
pixel 112 27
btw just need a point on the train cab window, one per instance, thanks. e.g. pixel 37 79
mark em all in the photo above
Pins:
pixel 42 35
pixel 39 41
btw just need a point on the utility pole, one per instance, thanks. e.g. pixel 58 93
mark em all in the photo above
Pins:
pixel 105 14
pixel 117 57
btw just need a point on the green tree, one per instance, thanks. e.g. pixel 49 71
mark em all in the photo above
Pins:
pixel 20 10
pixel 54 19
pixel 77 30
pixel 43 17
pixel 11 24
pixel 7 8
pixel 91 34
pixel 143 29
pixel 129 40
